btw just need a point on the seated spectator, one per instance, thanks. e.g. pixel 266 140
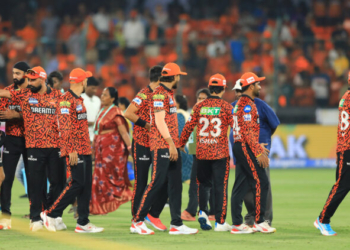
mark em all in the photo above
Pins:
pixel 320 83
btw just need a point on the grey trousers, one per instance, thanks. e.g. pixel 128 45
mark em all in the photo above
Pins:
pixel 249 202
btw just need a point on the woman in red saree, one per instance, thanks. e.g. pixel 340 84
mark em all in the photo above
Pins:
pixel 110 182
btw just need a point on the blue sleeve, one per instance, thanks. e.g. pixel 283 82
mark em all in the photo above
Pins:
pixel 181 122
pixel 234 103
pixel 271 116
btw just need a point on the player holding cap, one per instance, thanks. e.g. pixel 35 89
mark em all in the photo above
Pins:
pixel 38 103
pixel 76 149
pixel 14 143
pixel 138 113
pixel 164 143
pixel 251 158
pixel 213 116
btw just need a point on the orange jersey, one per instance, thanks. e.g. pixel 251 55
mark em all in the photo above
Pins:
pixel 246 125
pixel 73 125
pixel 142 102
pixel 40 117
pixel 163 99
pixel 212 117
pixel 343 139
pixel 13 127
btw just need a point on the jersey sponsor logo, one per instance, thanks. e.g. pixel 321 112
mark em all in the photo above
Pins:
pixel 65 111
pixel 142 96
pixel 137 100
pixel 65 103
pixel 235 109
pixel 250 80
pixel 40 110
pixel 341 103
pixel 82 116
pixel 158 97
pixel 5 151
pixel 247 109
pixel 158 104
pixel 33 101
pixel 171 102
pixel 172 110
pixel 166 155
pixel 15 107
pixel 79 107
pixel 210 111
pixel 208 141
pixel 247 118
pixel 144 158
pixel 31 158
pixel 80 161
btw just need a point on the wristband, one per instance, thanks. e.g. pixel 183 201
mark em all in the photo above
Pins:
pixel 140 122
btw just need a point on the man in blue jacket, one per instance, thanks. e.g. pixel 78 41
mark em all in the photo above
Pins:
pixel 268 125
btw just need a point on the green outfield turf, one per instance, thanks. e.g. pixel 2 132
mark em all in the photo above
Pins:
pixel 298 197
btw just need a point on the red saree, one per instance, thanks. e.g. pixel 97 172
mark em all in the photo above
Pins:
pixel 110 182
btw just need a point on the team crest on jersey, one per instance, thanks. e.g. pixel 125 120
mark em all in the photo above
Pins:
pixel 247 109
pixel 341 103
pixel 137 100
pixel 65 111
pixel 171 102
pixel 142 96
pixel 79 107
pixel 33 101
pixel 158 97
pixel 210 111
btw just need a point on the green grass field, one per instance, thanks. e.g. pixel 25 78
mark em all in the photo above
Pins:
pixel 298 197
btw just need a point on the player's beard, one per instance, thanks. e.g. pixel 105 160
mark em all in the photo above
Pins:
pixel 174 86
pixel 34 89
pixel 18 82
pixel 256 93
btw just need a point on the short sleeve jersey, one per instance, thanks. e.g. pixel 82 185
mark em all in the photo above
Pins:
pixel 40 117
pixel 73 125
pixel 213 116
pixel 246 126
pixel 141 101
pixel 343 139
pixel 163 99
pixel 14 127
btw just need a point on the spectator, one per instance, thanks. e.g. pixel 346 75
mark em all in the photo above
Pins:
pixel 50 25
pixel 161 17
pixel 134 34
pixel 320 83
pixel 340 37
pixel 101 20
pixel 216 48
pixel 104 47
pixel 55 80
pixel 341 64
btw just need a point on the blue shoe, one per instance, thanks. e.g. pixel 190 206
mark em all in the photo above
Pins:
pixel 204 220
pixel 324 228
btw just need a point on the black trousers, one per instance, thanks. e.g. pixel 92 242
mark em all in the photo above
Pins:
pixel 340 189
pixel 142 162
pixel 43 163
pixel 249 176
pixel 165 172
pixel 192 206
pixel 217 172
pixel 14 147
pixel 79 184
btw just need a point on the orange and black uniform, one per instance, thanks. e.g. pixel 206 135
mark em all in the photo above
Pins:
pixel 142 154
pixel 164 172
pixel 41 137
pixel 342 184
pixel 14 147
pixel 249 175
pixel 74 131
pixel 213 116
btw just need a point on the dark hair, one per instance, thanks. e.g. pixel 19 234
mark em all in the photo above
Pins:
pixel 182 101
pixel 204 91
pixel 124 101
pixel 113 92
pixel 155 73
pixel 244 89
pixel 92 81
pixel 53 74
pixel 167 78
pixel 216 89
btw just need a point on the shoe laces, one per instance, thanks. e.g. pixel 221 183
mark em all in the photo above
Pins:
pixel 328 227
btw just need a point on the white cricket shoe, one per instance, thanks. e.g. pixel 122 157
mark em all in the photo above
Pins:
pixel 88 228
pixel 49 222
pixel 5 224
pixel 204 220
pixel 60 225
pixel 264 227
pixel 241 229
pixel 36 226
pixel 177 230
pixel 222 227
pixel 141 228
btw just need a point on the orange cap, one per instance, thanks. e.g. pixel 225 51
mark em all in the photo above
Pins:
pixel 349 77
pixel 250 78
pixel 217 80
pixel 36 72
pixel 172 69
pixel 78 75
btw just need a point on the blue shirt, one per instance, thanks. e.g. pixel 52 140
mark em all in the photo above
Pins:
pixel 268 122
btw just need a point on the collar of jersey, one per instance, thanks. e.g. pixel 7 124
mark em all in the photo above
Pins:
pixel 248 97
pixel 149 87
pixel 49 90
pixel 166 88
pixel 73 94
pixel 214 97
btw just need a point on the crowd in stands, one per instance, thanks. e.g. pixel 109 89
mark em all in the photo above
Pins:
pixel 120 40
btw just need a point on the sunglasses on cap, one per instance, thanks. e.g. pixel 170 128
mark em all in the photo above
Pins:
pixel 32 72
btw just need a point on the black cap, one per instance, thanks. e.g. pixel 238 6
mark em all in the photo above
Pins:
pixel 21 66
